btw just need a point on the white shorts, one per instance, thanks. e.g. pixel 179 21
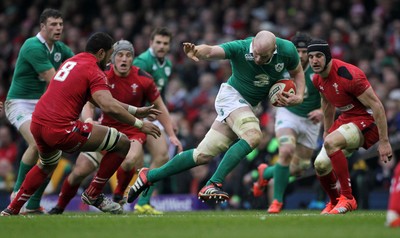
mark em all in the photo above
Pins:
pixel 228 100
pixel 307 132
pixel 19 111
pixel 157 123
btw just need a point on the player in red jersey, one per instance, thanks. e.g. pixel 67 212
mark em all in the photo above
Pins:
pixel 362 123
pixel 56 128
pixel 133 86
pixel 393 212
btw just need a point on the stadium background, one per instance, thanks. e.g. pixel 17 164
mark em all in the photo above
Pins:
pixel 363 32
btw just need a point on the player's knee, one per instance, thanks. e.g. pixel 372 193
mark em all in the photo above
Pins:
pixel 322 163
pixel 201 158
pixel 213 144
pixel 247 127
pixel 286 153
pixel 79 173
pixel 51 160
pixel 253 137
pixel 161 159
pixel 115 141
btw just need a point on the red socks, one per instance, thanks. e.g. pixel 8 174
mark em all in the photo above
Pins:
pixel 341 168
pixel 394 197
pixel 67 193
pixel 109 164
pixel 123 179
pixel 328 183
pixel 34 178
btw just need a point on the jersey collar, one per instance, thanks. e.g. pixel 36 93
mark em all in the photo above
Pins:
pixel 41 39
pixel 251 52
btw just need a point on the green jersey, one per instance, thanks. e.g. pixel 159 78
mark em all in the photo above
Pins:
pixel 253 81
pixel 161 72
pixel 312 98
pixel 35 57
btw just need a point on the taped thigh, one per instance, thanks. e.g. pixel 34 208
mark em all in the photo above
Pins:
pixel 53 160
pixel 94 156
pixel 323 163
pixel 287 140
pixel 110 140
pixel 298 165
pixel 352 135
pixel 244 122
pixel 213 144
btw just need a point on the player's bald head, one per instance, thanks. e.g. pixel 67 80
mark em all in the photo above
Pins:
pixel 264 45
pixel 264 41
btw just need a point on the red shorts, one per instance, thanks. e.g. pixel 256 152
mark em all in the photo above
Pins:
pixel 134 134
pixel 366 125
pixel 68 139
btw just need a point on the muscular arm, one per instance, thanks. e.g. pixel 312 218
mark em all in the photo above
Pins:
pixel 165 120
pixel 47 75
pixel 88 112
pixel 285 99
pixel 298 77
pixel 328 111
pixel 113 107
pixel 203 52
pixel 370 100
pixel 164 117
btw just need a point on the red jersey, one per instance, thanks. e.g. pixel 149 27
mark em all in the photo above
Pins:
pixel 136 89
pixel 71 87
pixel 341 88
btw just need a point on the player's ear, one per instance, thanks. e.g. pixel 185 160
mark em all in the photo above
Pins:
pixel 101 54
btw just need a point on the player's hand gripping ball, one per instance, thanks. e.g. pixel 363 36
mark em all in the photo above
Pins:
pixel 283 85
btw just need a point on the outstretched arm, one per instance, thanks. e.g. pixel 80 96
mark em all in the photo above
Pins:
pixel 203 52
pixel 115 109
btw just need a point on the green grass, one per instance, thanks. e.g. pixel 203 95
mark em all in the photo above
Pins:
pixel 218 224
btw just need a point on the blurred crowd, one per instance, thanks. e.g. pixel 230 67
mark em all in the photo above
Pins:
pixel 362 32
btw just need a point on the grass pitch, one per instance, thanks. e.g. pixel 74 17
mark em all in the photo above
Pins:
pixel 220 224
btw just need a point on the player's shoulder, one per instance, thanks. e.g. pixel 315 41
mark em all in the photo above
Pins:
pixel 142 73
pixel 32 43
pixel 285 47
pixel 346 70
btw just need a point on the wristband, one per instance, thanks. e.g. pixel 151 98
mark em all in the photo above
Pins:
pixel 132 109
pixel 138 123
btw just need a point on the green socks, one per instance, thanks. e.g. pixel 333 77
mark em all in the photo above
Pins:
pixel 281 180
pixel 181 162
pixel 34 201
pixel 268 172
pixel 145 199
pixel 231 159
pixel 22 171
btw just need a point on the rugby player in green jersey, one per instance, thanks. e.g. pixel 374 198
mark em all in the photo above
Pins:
pixel 155 62
pixel 37 62
pixel 297 129
pixel 257 63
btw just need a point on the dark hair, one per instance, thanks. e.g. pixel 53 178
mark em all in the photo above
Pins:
pixel 97 41
pixel 161 31
pixel 49 12
pixel 301 40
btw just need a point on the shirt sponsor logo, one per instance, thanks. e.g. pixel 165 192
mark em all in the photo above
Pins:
pixel 262 80
pixel 346 108
pixel 249 57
